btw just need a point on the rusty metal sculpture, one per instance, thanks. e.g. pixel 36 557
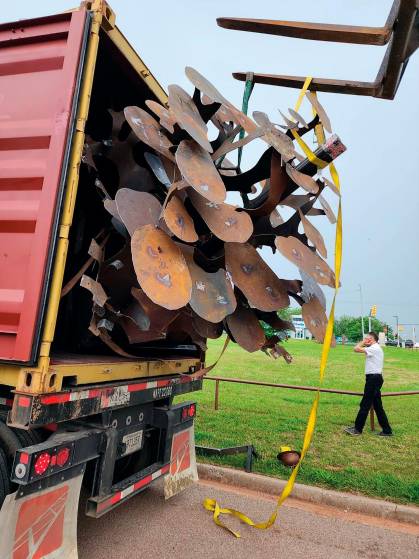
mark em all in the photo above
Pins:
pixel 178 262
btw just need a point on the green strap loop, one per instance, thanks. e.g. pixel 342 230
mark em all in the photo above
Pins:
pixel 248 88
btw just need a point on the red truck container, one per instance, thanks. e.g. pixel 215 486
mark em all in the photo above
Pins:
pixel 67 416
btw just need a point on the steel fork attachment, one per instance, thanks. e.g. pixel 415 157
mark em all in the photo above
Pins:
pixel 400 32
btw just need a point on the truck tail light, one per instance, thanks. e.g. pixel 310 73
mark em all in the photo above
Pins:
pixel 63 456
pixel 42 463
pixel 188 412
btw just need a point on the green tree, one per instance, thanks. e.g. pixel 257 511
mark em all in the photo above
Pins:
pixel 285 314
pixel 351 327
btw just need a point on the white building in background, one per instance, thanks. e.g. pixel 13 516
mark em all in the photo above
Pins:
pixel 301 331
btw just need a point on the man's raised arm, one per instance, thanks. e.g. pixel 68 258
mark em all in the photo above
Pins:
pixel 359 348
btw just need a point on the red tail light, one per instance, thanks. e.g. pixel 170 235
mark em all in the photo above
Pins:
pixel 185 413
pixel 42 463
pixel 63 456
pixel 192 410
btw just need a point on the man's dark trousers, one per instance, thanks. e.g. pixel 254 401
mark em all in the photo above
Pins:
pixel 372 398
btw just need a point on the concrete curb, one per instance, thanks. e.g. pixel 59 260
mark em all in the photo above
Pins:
pixel 345 501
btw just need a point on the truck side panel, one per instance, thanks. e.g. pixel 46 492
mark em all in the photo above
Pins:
pixel 39 62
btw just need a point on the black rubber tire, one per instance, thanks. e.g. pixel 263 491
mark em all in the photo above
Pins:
pixel 5 488
pixel 9 442
pixel 24 437
pixel 39 435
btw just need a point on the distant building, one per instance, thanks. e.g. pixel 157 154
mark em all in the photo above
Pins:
pixel 301 331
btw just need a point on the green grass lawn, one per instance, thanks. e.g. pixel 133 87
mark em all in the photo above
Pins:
pixel 271 417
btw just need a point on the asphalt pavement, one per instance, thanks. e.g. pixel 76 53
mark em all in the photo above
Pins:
pixel 148 526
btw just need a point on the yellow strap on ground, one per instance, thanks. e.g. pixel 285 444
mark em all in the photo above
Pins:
pixel 211 504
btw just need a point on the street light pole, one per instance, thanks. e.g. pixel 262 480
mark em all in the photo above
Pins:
pixel 397 328
pixel 362 310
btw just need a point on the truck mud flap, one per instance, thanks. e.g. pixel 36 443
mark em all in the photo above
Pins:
pixel 41 524
pixel 183 471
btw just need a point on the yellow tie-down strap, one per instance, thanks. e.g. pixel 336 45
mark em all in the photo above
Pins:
pixel 211 504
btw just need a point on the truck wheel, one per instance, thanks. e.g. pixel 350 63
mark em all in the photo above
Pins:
pixel 25 438
pixel 4 477
pixel 8 441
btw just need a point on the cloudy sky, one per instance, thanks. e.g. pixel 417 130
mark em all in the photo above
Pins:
pixel 379 172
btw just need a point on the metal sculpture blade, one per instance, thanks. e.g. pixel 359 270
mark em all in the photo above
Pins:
pixel 137 209
pixel 300 255
pixel 179 221
pixel 160 268
pixel 245 329
pixel 315 318
pixel 301 179
pixel 255 279
pixel 225 221
pixel 199 171
pixel 313 235
pixel 148 130
pixel 212 293
pixel 187 116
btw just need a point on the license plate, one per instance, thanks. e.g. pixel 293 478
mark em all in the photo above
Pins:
pixel 133 442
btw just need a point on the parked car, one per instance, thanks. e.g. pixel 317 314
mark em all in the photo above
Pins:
pixel 391 342
pixel 409 344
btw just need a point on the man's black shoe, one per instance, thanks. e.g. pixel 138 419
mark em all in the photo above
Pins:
pixel 352 431
pixel 382 434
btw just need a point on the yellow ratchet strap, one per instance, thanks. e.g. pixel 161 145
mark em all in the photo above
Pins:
pixel 211 504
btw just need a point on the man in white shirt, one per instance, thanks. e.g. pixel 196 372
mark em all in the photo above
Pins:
pixel 374 359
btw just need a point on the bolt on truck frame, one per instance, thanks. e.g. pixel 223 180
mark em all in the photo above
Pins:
pixel 68 417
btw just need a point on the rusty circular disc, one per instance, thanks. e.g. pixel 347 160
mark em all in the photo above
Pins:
pixel 199 170
pixel 179 221
pixel 187 116
pixel 327 209
pixel 204 85
pixel 224 114
pixel 148 130
pixel 212 293
pixel 305 181
pixel 313 235
pixel 331 185
pixel 275 218
pixel 156 165
pixel 310 288
pixel 137 208
pixel 167 119
pixel 160 268
pixel 228 111
pixel 296 116
pixel 298 253
pixel 159 317
pixel 274 137
pixel 318 107
pixel 110 206
pixel 224 220
pixel 295 200
pixel 245 329
pixel 315 318
pixel 255 279
pixel 207 329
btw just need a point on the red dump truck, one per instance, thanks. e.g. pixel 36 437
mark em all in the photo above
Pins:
pixel 68 417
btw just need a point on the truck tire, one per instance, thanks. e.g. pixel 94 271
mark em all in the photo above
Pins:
pixel 24 437
pixel 5 488
pixel 8 441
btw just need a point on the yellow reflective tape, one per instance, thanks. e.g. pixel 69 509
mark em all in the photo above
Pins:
pixel 211 504
pixel 302 93
pixel 308 152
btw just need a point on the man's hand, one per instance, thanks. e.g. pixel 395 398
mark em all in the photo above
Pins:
pixel 359 348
